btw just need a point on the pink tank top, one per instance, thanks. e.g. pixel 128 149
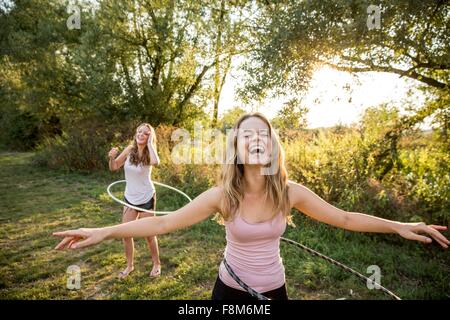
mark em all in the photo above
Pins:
pixel 253 252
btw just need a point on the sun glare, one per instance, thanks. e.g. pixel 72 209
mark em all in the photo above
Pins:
pixel 334 97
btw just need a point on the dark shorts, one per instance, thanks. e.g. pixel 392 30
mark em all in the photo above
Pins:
pixel 223 292
pixel 150 205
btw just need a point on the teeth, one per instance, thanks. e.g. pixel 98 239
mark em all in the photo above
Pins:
pixel 257 149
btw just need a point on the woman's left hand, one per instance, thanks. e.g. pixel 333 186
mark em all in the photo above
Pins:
pixel 413 231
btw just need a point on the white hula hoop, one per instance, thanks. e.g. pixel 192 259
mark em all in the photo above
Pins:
pixel 140 209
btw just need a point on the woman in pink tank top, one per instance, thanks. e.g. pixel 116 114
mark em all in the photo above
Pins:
pixel 254 200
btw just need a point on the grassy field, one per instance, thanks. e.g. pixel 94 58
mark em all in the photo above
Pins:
pixel 37 201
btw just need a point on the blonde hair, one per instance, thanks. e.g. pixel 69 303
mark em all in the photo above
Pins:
pixel 276 185
pixel 134 153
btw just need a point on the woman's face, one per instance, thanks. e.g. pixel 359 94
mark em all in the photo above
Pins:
pixel 142 134
pixel 254 145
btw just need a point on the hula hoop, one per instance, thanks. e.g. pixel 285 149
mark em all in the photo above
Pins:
pixel 260 296
pixel 140 209
pixel 251 291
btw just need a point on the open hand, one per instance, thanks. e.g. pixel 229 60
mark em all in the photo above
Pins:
pixel 80 238
pixel 413 231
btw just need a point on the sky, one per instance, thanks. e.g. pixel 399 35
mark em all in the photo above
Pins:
pixel 328 100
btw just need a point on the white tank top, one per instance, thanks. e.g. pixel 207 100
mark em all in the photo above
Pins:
pixel 139 188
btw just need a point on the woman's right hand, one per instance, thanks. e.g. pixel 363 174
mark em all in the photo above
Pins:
pixel 113 153
pixel 80 238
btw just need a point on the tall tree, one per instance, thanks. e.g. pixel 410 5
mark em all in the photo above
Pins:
pixel 231 40
pixel 295 37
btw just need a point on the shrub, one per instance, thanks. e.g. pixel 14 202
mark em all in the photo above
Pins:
pixel 83 147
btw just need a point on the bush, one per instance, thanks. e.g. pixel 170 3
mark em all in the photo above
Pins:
pixel 20 130
pixel 191 178
pixel 331 163
pixel 428 180
pixel 336 165
pixel 83 147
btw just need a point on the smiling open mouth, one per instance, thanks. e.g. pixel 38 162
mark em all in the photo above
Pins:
pixel 257 149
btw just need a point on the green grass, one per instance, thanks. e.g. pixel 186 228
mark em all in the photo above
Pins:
pixel 38 201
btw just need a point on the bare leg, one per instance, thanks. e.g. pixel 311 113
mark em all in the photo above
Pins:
pixel 152 243
pixel 128 215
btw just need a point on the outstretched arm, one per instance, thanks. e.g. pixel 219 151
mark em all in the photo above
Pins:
pixel 199 209
pixel 313 206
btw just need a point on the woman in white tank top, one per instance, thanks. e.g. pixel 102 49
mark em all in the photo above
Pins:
pixel 138 159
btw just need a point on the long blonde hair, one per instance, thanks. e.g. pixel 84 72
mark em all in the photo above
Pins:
pixel 276 185
pixel 134 153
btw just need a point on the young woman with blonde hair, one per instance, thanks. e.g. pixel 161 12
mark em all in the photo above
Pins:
pixel 137 160
pixel 254 199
